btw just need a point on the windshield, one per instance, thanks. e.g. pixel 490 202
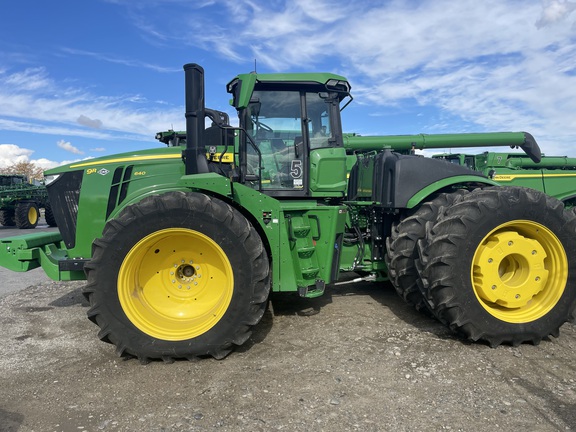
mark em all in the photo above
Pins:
pixel 279 133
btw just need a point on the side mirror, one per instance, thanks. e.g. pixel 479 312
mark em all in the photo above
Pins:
pixel 298 146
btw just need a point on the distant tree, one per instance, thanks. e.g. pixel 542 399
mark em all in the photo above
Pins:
pixel 29 169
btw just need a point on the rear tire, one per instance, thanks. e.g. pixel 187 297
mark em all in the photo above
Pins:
pixel 27 214
pixel 402 252
pixel 7 218
pixel 177 275
pixel 500 266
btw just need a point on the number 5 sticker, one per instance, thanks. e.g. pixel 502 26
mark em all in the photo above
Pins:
pixel 296 169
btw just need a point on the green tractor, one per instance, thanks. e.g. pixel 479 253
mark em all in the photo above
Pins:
pixel 21 201
pixel 555 175
pixel 182 246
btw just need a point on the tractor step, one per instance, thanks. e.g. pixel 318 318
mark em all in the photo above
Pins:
pixel 316 291
pixel 306 251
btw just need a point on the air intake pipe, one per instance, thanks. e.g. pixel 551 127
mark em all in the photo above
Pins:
pixel 195 114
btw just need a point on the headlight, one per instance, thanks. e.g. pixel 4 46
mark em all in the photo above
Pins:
pixel 50 179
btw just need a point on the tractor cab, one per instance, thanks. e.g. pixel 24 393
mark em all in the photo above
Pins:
pixel 290 142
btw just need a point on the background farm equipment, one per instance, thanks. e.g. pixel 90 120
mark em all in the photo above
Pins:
pixel 21 201
pixel 554 175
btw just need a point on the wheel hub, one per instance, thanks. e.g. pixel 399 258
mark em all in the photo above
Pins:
pixel 509 269
pixel 185 274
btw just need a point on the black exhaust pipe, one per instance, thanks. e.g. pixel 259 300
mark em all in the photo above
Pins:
pixel 195 115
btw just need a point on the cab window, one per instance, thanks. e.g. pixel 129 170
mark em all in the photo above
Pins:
pixel 275 125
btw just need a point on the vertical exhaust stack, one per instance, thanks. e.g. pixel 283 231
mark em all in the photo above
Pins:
pixel 195 114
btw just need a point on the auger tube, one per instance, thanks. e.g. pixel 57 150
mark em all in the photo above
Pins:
pixel 424 141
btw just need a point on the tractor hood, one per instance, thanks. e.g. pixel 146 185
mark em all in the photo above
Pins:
pixel 93 165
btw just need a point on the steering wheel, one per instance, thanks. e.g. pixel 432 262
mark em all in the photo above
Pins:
pixel 264 126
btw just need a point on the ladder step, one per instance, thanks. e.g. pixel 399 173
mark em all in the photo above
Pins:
pixel 310 272
pixel 306 252
pixel 301 231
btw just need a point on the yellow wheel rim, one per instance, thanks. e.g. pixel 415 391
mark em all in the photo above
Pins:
pixel 32 215
pixel 519 271
pixel 175 284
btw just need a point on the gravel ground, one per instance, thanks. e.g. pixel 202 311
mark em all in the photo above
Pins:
pixel 357 359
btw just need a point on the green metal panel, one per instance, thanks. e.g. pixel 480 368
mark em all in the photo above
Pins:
pixel 327 168
pixel 507 177
pixel 439 185
pixel 559 183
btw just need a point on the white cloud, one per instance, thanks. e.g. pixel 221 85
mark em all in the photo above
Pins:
pixel 11 154
pixel 28 80
pixel 32 102
pixel 114 59
pixel 65 145
pixel 554 11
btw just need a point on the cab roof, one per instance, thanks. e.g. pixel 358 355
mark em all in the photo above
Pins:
pixel 243 85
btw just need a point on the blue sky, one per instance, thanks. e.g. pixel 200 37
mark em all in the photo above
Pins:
pixel 81 79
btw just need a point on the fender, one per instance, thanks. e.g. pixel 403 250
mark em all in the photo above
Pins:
pixel 402 181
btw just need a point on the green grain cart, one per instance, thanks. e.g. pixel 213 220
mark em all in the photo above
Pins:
pixel 21 201
pixel 181 247
pixel 555 175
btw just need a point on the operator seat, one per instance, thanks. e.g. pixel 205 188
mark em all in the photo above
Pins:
pixel 277 145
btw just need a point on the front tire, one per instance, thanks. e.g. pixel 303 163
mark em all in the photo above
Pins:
pixel 500 266
pixel 27 214
pixel 177 275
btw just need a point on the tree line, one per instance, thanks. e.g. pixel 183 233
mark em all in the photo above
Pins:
pixel 29 169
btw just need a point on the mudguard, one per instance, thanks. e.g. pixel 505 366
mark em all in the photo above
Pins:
pixel 398 178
